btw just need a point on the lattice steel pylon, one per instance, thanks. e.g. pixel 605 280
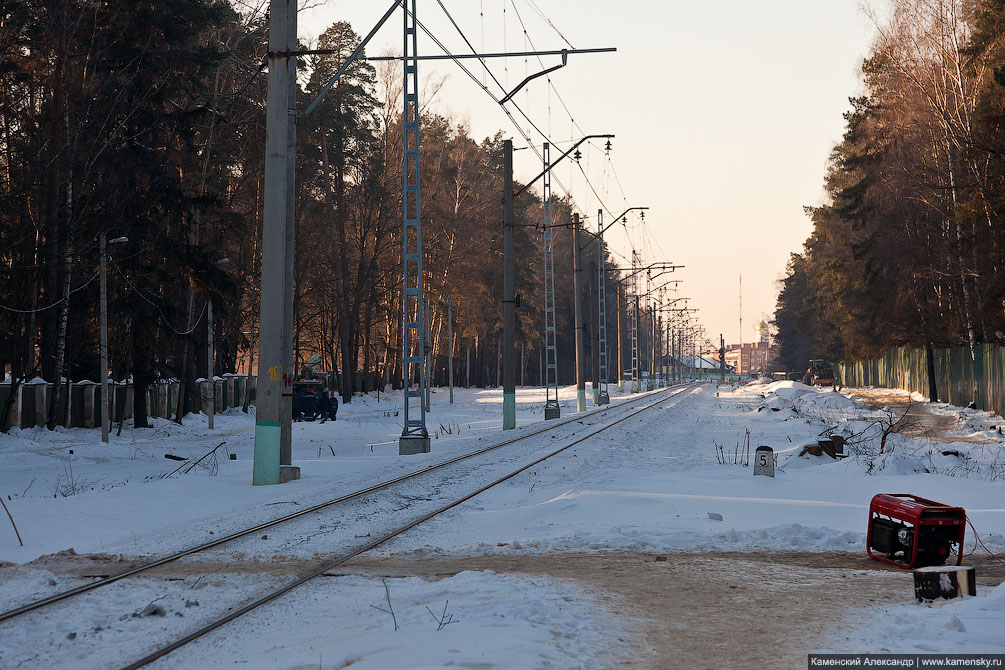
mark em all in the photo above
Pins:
pixel 603 398
pixel 414 436
pixel 551 406
pixel 634 318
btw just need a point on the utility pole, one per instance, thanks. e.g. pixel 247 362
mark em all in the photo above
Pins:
pixel 722 359
pixel 273 421
pixel 667 369
pixel 594 359
pixel 103 379
pixel 694 353
pixel 551 407
pixel 601 396
pixel 286 469
pixel 210 376
pixel 509 294
pixel 414 436
pixel 674 328
pixel 552 410
pixel 577 266
pixel 634 325
pixel 680 353
pixel 654 348
pixel 595 335
pixel 274 380
pixel 657 344
pixel 621 347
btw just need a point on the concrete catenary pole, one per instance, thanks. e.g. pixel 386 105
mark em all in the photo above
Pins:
pixel 509 294
pixel 577 263
pixel 286 417
pixel 273 378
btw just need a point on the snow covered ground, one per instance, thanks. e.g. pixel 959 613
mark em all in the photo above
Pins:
pixel 655 483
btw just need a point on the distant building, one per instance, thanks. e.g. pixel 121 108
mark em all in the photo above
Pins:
pixel 715 358
pixel 754 358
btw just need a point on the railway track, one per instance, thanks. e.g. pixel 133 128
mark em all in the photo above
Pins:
pixel 326 566
pixel 145 567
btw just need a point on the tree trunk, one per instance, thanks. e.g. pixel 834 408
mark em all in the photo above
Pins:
pixel 367 318
pixel 933 392
pixel 341 299
pixel 58 401
pixel 184 378
pixel 142 376
pixel 940 582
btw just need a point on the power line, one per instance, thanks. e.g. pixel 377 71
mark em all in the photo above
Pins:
pixel 457 27
pixel 561 100
pixel 551 85
pixel 617 178
pixel 494 97
pixel 509 115
pixel 534 6
pixel 55 304
pixel 167 322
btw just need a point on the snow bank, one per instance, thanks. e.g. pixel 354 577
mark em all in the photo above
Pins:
pixel 787 389
pixel 808 402
pixel 973 625
pixel 800 399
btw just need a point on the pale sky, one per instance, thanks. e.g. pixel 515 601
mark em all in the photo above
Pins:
pixel 725 113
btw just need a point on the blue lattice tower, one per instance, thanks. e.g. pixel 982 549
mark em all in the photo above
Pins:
pixel 603 398
pixel 551 407
pixel 414 436
pixel 634 319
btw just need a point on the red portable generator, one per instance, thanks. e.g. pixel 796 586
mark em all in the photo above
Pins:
pixel 912 532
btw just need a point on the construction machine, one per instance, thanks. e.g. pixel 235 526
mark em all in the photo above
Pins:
pixel 819 374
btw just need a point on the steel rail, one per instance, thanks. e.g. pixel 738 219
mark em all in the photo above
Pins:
pixel 105 581
pixel 195 635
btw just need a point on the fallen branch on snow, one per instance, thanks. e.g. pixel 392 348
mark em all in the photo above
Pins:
pixel 11 521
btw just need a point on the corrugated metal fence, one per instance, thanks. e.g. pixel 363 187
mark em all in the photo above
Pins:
pixel 959 377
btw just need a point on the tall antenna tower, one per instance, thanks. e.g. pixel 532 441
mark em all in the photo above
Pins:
pixel 741 310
